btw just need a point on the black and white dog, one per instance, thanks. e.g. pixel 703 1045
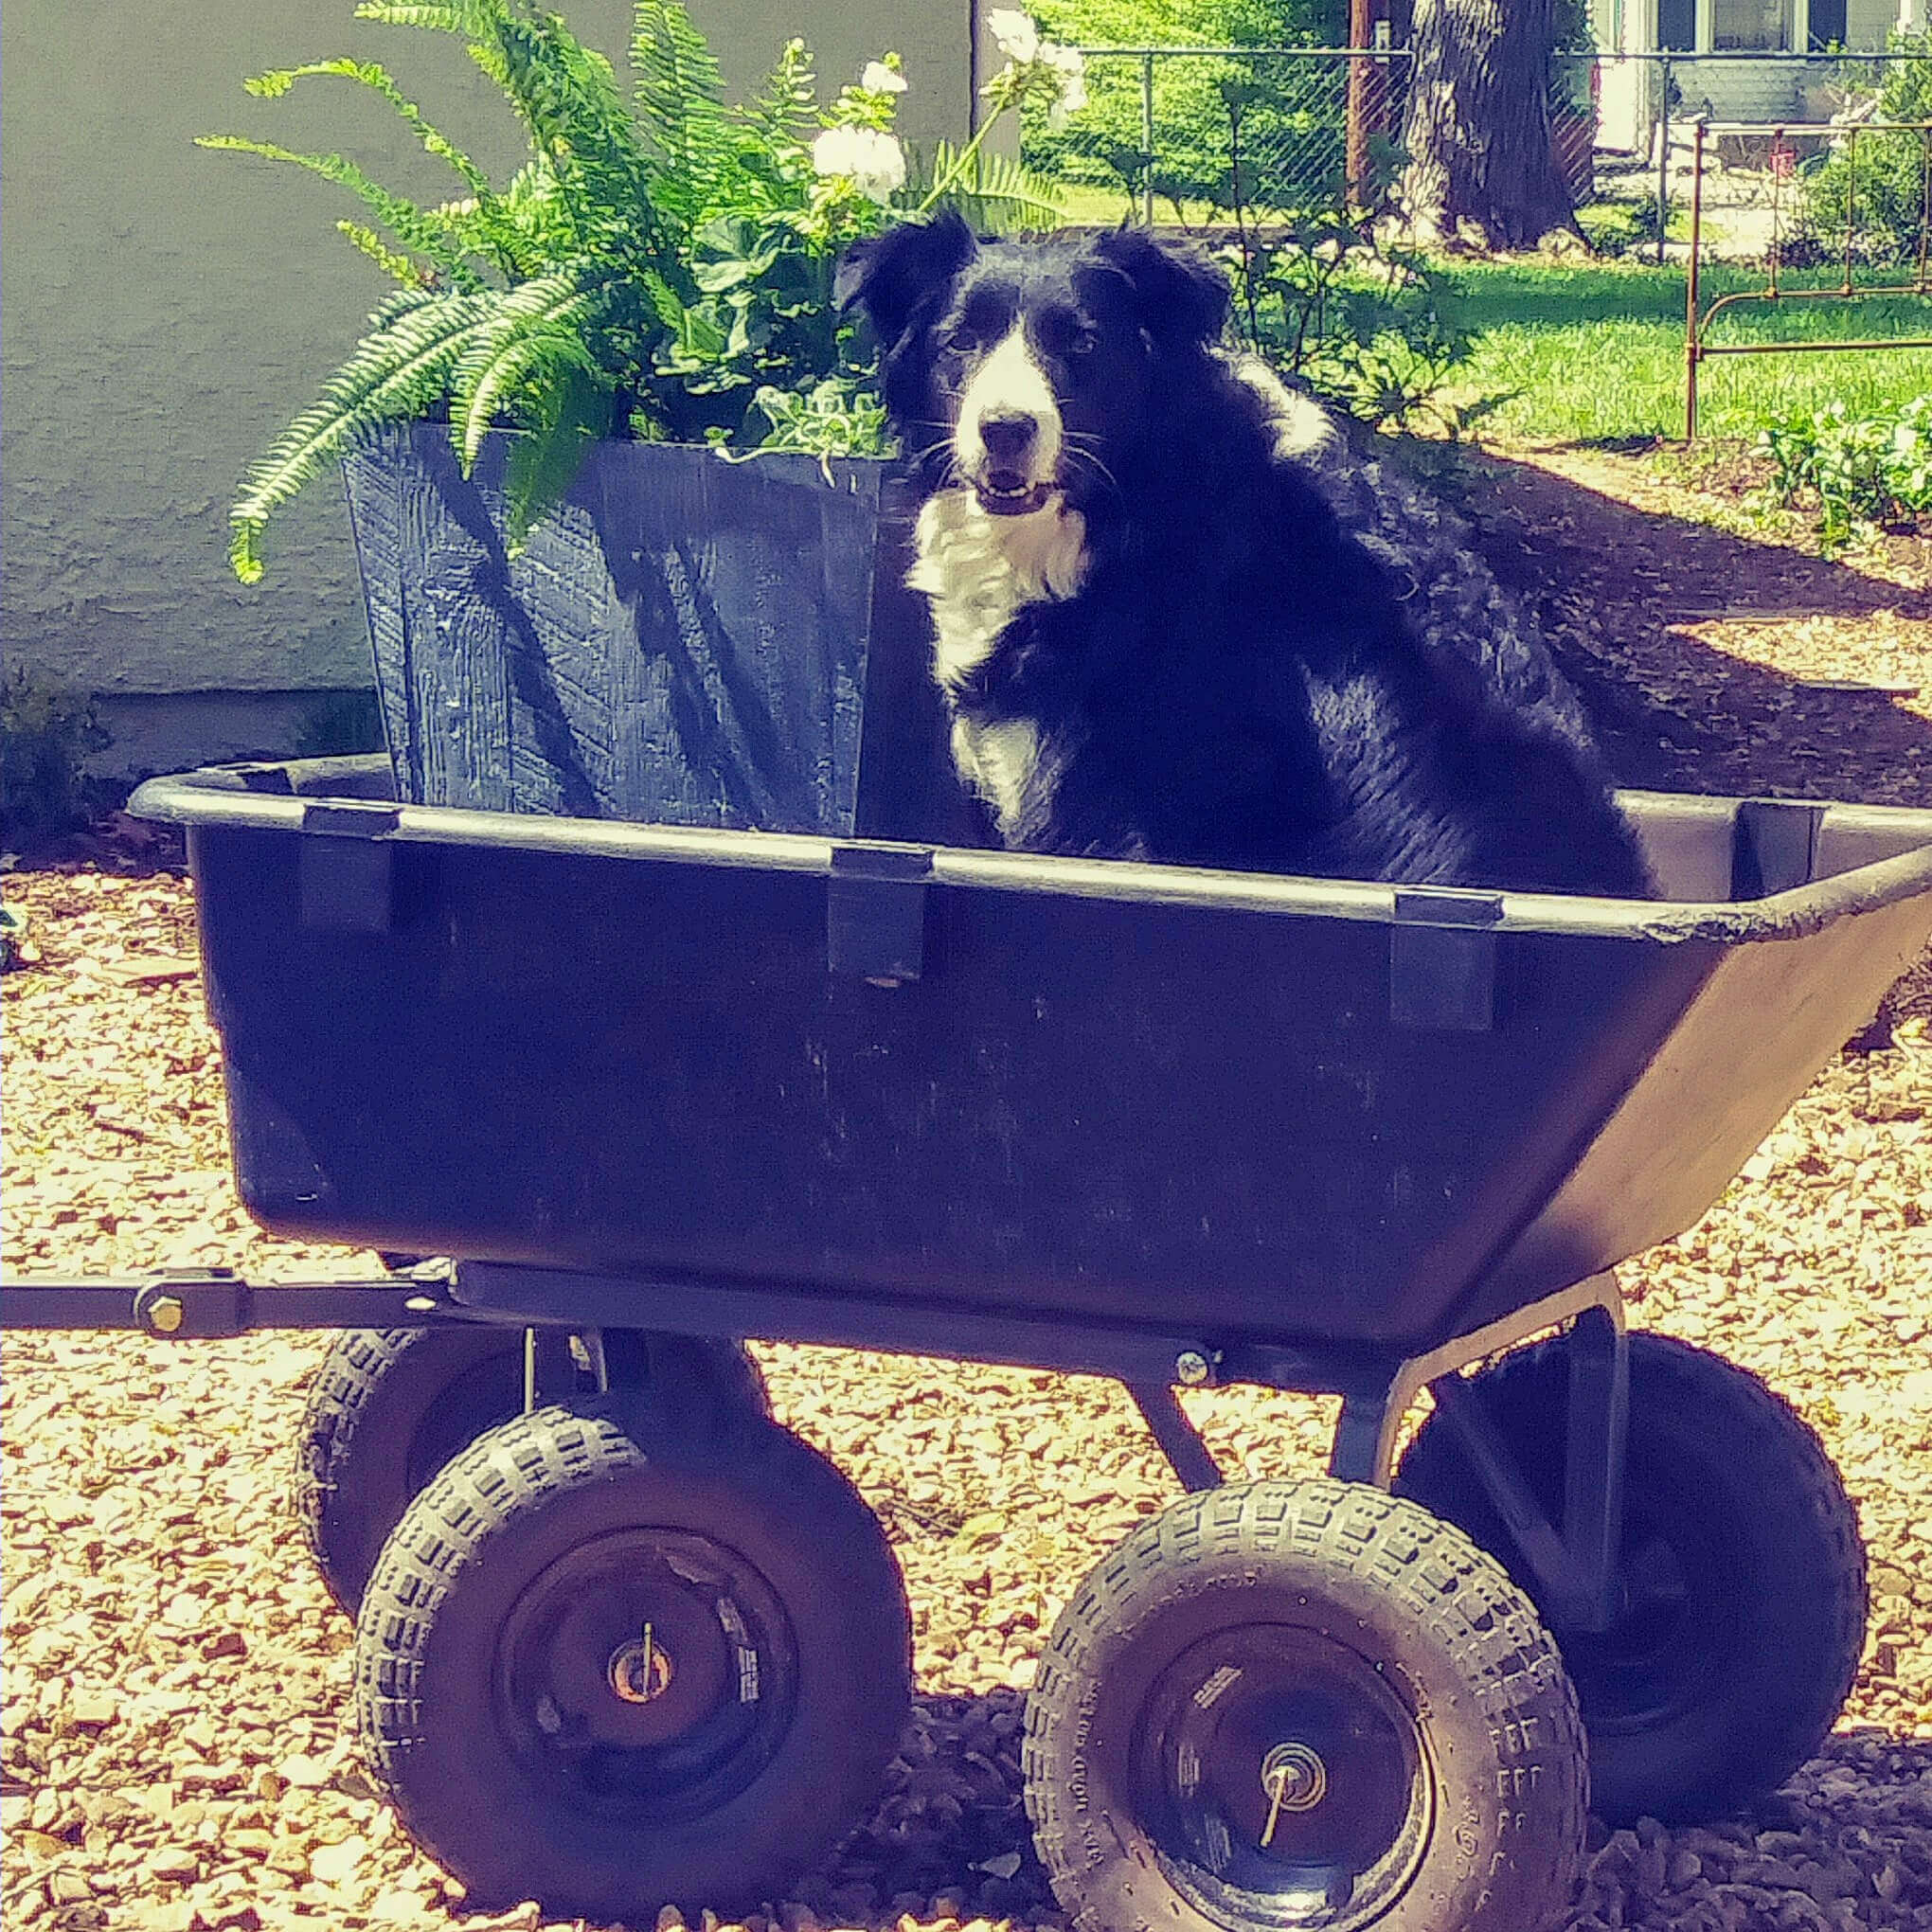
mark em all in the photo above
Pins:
pixel 1156 637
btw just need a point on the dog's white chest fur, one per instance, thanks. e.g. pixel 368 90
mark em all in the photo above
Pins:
pixel 979 571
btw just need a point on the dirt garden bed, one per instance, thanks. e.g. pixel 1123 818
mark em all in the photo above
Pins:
pixel 176 1678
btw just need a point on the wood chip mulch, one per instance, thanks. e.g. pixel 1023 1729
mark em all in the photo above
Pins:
pixel 175 1757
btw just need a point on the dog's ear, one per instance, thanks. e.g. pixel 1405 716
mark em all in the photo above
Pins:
pixel 888 277
pixel 1182 297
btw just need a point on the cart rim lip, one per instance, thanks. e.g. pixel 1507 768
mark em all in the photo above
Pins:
pixel 221 798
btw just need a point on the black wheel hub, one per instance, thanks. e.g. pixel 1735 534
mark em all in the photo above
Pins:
pixel 1283 1781
pixel 1675 1623
pixel 653 1670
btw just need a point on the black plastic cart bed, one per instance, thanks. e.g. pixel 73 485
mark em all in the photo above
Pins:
pixel 622 1640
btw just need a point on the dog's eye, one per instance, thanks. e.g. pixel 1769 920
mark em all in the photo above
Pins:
pixel 963 342
pixel 1083 342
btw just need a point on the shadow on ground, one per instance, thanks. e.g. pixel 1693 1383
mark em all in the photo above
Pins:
pixel 949 1837
pixel 1614 584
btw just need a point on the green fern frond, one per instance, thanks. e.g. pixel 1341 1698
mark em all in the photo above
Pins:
pixel 786 108
pixel 537 229
pixel 996 195
pixel 519 371
pixel 567 97
pixel 399 370
pixel 473 18
pixel 392 307
pixel 680 105
pixel 534 326
pixel 404 268
pixel 572 410
pixel 376 78
pixel 413 226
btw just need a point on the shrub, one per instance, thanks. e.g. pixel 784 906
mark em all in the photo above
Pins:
pixel 1883 192
pixel 1324 293
pixel 46 734
pixel 1297 123
pixel 1857 472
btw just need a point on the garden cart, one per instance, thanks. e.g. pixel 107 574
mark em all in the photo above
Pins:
pixel 623 1639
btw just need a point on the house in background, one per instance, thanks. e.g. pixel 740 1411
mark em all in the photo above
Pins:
pixel 1704 32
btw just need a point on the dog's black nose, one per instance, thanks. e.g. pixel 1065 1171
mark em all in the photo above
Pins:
pixel 1008 437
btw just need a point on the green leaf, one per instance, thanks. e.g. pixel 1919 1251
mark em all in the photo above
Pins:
pixel 531 330
pixel 412 225
pixel 396 372
pixel 404 268
pixel 473 18
pixel 785 112
pixel 995 193
pixel 679 96
pixel 573 411
pixel 376 78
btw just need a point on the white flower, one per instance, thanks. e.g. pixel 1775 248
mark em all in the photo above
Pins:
pixel 880 78
pixel 1015 34
pixel 1068 67
pixel 872 160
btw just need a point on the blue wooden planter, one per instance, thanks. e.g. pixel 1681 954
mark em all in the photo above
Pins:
pixel 686 641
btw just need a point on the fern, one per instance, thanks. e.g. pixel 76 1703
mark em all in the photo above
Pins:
pixel 573 410
pixel 404 268
pixel 415 227
pixel 530 328
pixel 784 114
pixel 994 193
pixel 401 368
pixel 679 96
pixel 471 18
pixel 273 86
pixel 484 229
pixel 568 98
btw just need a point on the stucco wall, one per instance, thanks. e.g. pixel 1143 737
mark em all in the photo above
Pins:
pixel 168 309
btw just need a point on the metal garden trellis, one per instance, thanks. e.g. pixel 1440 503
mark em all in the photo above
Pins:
pixel 1697 319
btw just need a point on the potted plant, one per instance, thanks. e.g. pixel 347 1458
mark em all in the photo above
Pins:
pixel 575 604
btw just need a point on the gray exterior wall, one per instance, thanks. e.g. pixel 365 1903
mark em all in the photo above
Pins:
pixel 168 309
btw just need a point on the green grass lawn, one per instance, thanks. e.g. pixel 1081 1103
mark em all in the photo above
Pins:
pixel 1595 352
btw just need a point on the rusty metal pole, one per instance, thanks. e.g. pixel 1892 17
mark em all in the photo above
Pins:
pixel 1692 346
pixel 1663 154
pixel 1355 155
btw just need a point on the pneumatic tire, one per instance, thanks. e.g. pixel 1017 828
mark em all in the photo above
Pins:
pixel 390 1408
pixel 1304 1703
pixel 609 1663
pixel 1742 1573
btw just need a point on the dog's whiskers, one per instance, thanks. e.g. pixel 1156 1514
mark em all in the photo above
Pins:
pixel 1075 454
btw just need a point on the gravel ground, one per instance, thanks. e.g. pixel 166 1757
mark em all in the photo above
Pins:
pixel 175 1683
pixel 176 1678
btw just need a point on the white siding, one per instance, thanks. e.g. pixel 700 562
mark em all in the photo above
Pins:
pixel 167 310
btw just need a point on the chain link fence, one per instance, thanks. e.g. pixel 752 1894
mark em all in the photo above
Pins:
pixel 1184 133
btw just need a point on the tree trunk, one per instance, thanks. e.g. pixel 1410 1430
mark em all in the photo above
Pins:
pixel 1478 129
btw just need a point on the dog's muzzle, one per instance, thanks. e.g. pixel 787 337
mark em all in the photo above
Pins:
pixel 1005 481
